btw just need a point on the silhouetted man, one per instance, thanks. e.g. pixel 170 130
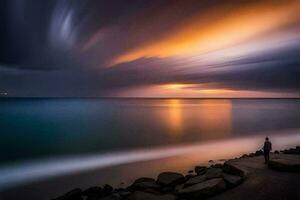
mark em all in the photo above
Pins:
pixel 267 149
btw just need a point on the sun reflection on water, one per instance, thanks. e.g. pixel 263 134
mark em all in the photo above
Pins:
pixel 213 117
pixel 175 117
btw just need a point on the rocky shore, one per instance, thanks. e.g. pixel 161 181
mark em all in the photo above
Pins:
pixel 200 183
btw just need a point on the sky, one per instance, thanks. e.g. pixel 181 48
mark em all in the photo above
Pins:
pixel 142 48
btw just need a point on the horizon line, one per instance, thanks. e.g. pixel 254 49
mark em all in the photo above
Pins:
pixel 107 97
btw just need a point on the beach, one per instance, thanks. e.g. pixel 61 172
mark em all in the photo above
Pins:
pixel 122 176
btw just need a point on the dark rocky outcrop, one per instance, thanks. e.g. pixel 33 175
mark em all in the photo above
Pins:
pixel 232 180
pixel 292 150
pixel 233 168
pixel 284 162
pixel 143 183
pixel 200 169
pixel 195 180
pixel 170 178
pixel 93 192
pixel 168 186
pixel 207 181
pixel 204 189
pixel 213 173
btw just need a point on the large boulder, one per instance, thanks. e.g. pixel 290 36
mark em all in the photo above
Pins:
pixel 148 196
pixel 232 180
pixel 204 189
pixel 71 195
pixel 144 183
pixel 213 173
pixel 170 178
pixel 232 167
pixel 195 180
pixel 282 162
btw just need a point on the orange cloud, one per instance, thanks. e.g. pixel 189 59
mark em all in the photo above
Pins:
pixel 186 90
pixel 217 29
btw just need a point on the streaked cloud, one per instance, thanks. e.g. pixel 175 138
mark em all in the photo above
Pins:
pixel 188 48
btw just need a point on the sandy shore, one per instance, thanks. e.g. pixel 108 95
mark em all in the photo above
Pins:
pixel 261 182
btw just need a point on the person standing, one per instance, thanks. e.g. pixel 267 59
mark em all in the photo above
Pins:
pixel 267 148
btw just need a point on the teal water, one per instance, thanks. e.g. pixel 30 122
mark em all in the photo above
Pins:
pixel 49 128
pixel 50 146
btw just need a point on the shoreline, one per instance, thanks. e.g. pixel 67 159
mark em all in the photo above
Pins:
pixel 202 182
pixel 40 171
pixel 92 176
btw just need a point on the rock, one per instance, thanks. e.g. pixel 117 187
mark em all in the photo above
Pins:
pixel 283 162
pixel 251 155
pixel 292 151
pixel 167 189
pixel 218 165
pixel 259 153
pixel 195 180
pixel 170 178
pixel 71 195
pixel 276 152
pixel 213 173
pixel 179 187
pixel 187 177
pixel 232 180
pixel 200 170
pixel 210 161
pixel 204 189
pixel 191 171
pixel 93 192
pixel 123 192
pixel 244 156
pixel 233 168
pixel 149 190
pixel 143 183
pixel 98 192
pixel 148 196
pixel 143 179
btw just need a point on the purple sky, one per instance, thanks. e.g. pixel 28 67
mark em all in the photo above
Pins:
pixel 162 48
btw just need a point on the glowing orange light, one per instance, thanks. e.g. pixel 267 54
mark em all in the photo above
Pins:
pixel 175 117
pixel 196 37
pixel 174 86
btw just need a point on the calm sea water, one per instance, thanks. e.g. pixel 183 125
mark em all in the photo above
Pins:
pixel 50 146
pixel 44 128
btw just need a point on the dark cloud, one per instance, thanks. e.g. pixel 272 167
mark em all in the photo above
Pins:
pixel 60 48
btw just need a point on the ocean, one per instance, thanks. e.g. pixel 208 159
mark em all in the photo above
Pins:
pixel 49 138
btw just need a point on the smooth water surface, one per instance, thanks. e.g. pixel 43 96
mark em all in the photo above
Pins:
pixel 50 146
pixel 49 128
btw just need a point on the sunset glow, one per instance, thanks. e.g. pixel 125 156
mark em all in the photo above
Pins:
pixel 197 36
pixel 163 48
